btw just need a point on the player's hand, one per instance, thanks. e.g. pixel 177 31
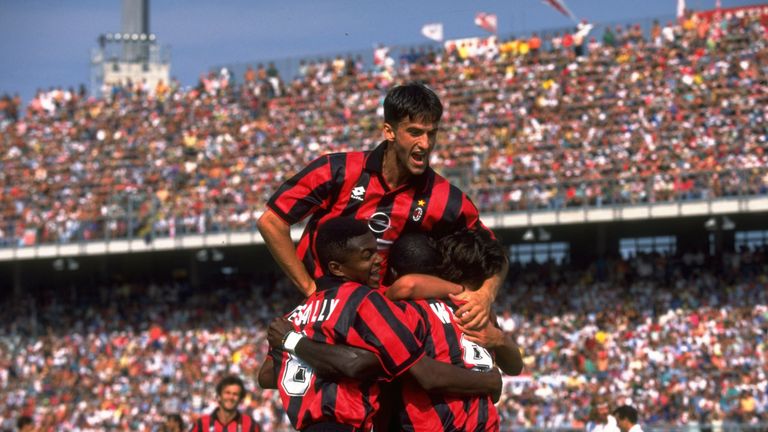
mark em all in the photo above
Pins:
pixel 475 311
pixel 309 289
pixel 278 328
pixel 489 336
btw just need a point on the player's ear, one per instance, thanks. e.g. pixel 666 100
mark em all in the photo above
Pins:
pixel 335 268
pixel 389 132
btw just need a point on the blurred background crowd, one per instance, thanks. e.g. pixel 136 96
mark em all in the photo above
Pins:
pixel 673 113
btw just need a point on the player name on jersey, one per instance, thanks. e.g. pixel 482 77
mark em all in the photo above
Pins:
pixel 318 310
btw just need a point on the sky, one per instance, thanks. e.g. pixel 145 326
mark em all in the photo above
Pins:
pixel 47 43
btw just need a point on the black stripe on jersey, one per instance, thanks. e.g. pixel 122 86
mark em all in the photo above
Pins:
pixel 347 315
pixel 429 343
pixel 482 413
pixel 328 402
pixel 302 207
pixel 294 407
pixel 383 306
pixel 290 183
pixel 448 220
pixel 402 332
pixel 338 173
pixel 353 204
pixel 307 418
pixel 365 389
pixel 406 425
pixel 443 411
pixel 453 342
pixel 309 255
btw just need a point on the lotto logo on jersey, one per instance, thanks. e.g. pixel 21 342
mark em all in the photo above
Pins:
pixel 358 193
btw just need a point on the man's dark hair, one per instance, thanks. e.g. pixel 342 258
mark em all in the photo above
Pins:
pixel 174 417
pixel 333 237
pixel 24 421
pixel 626 412
pixel 471 257
pixel 228 381
pixel 413 101
pixel 413 253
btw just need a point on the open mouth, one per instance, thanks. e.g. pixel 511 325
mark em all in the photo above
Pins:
pixel 419 158
pixel 375 275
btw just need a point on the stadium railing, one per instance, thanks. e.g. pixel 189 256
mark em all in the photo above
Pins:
pixel 142 217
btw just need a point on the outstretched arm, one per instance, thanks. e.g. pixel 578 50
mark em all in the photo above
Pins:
pixel 277 236
pixel 328 361
pixel 421 286
pixel 436 376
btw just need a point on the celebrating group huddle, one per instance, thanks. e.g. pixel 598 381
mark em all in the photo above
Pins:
pixel 399 273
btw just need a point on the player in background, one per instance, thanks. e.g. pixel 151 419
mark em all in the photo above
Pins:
pixel 345 310
pixel 230 392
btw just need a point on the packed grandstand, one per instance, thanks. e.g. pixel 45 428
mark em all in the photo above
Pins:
pixel 531 123
pixel 680 116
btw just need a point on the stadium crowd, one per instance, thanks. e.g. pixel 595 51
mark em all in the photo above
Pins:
pixel 682 338
pixel 552 122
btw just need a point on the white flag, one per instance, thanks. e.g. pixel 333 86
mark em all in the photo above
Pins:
pixel 680 8
pixel 433 31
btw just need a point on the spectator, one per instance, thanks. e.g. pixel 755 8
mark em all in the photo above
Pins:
pixel 626 419
pixel 25 424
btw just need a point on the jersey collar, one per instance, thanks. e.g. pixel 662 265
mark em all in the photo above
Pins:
pixel 374 162
pixel 215 418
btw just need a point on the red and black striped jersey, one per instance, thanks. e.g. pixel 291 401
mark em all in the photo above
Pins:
pixel 422 411
pixel 210 423
pixel 351 314
pixel 352 184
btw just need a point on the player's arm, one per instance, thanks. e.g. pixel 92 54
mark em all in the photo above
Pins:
pixel 328 361
pixel 277 236
pixel 509 357
pixel 267 377
pixel 421 286
pixel 397 334
pixel 303 194
pixel 435 376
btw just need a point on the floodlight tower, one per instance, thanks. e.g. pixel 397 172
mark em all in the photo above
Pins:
pixel 131 55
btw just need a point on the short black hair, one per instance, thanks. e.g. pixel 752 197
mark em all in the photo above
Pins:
pixel 413 253
pixel 626 412
pixel 228 381
pixel 24 421
pixel 175 417
pixel 414 101
pixel 333 237
pixel 471 257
